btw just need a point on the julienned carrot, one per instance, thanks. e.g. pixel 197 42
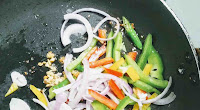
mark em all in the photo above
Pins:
pixel 100 51
pixel 116 89
pixel 113 72
pixel 94 49
pixel 101 62
pixel 104 100
pixel 133 55
pixel 102 34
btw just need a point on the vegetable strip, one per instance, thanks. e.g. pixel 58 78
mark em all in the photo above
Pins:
pixel 77 61
pixel 109 47
pixel 101 62
pixel 104 100
pixel 131 32
pixel 116 89
pixel 149 80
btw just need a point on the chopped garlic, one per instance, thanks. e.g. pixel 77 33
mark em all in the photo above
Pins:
pixel 50 55
pixel 61 60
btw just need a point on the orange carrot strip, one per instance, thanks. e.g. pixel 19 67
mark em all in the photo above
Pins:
pixel 133 55
pixel 94 49
pixel 116 89
pixel 113 72
pixel 102 34
pixel 101 62
pixel 98 53
pixel 104 100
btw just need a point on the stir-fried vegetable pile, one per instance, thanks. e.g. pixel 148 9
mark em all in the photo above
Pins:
pixel 106 76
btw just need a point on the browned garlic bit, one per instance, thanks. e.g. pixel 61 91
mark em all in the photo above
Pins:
pixel 52 77
pixel 61 60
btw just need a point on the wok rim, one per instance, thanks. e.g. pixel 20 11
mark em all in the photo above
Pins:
pixel 185 32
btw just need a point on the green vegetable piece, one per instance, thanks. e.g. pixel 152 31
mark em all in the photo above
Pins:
pixel 117 47
pixel 59 85
pixel 124 102
pixel 149 108
pixel 76 62
pixel 145 52
pixel 109 47
pixel 142 85
pixel 80 68
pixel 132 33
pixel 161 84
pixel 99 106
pixel 157 69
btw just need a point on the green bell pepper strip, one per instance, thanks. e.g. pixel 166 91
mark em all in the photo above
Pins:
pixel 124 102
pixel 145 52
pixel 80 68
pixel 77 61
pixel 117 47
pixel 161 84
pixel 109 47
pixel 149 108
pixel 157 69
pixel 59 85
pixel 99 106
pixel 142 85
pixel 132 33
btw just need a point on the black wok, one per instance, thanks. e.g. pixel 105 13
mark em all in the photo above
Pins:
pixel 30 28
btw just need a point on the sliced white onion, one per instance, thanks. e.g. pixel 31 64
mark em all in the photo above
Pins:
pixel 40 103
pixel 91 10
pixel 161 95
pixel 109 76
pixel 64 106
pixel 51 105
pixel 83 85
pixel 112 96
pixel 88 105
pixel 62 89
pixel 80 106
pixel 88 28
pixel 170 98
pixel 18 78
pixel 101 22
pixel 72 29
pixel 18 104
pixel 68 59
pixel 60 98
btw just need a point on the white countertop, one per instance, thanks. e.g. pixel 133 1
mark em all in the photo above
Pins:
pixel 188 11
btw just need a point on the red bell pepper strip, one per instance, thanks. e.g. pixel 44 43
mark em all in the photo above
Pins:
pixel 104 100
pixel 116 89
pixel 100 51
pixel 101 62
pixel 113 72
pixel 102 34
pixel 133 55
pixel 94 49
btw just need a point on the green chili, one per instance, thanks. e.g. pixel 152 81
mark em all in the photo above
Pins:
pixel 80 68
pixel 59 85
pixel 77 61
pixel 124 102
pixel 147 79
pixel 157 69
pixel 117 47
pixel 142 85
pixel 109 47
pixel 132 33
pixel 145 52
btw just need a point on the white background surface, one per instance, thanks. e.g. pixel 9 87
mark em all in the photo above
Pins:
pixel 188 11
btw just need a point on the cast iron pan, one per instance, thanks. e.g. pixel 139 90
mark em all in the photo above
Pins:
pixel 31 28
